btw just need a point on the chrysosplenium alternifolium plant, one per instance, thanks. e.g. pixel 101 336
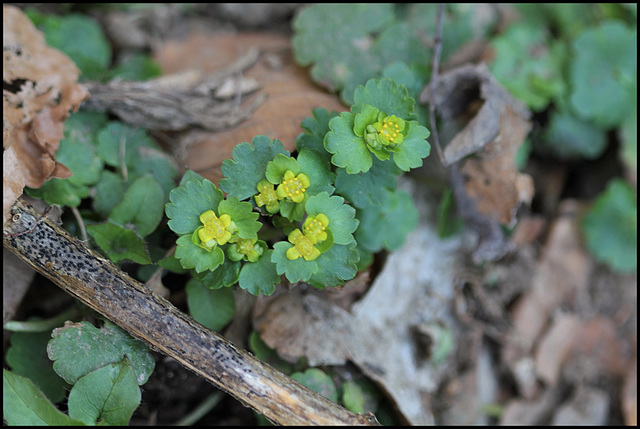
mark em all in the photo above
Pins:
pixel 329 208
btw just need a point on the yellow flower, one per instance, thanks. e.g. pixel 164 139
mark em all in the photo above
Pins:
pixel 387 132
pixel 315 228
pixel 245 248
pixel 293 187
pixel 267 196
pixel 216 230
pixel 302 246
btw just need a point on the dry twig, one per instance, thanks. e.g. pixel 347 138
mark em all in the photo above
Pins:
pixel 105 288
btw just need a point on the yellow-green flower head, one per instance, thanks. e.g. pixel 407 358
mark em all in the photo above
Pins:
pixel 216 230
pixel 293 187
pixel 245 248
pixel 315 228
pixel 387 132
pixel 302 246
pixel 267 196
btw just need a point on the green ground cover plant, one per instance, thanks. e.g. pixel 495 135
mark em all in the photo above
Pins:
pixel 320 214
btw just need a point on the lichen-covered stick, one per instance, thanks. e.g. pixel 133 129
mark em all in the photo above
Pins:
pixel 104 287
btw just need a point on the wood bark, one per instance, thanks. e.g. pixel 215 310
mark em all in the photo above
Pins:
pixel 101 285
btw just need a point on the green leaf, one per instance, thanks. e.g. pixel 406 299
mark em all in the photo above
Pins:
pixel 119 242
pixel 341 216
pixel 189 202
pixel 260 276
pixel 224 276
pixel 118 144
pixel 604 73
pixel 387 96
pixel 248 166
pixel 25 405
pixel 136 67
pixel 335 266
pixel 569 137
pixel 108 192
pixel 79 348
pixel 316 128
pixel 346 57
pixel 78 153
pixel 318 169
pixel 352 397
pixel 91 52
pixel 109 394
pixel 193 256
pixel 243 215
pixel 360 395
pixel 190 175
pixel 611 227
pixel 535 78
pixel 363 189
pixel 61 192
pixel 212 308
pixel 318 381
pixel 414 148
pixel 349 151
pixel 27 356
pixel 295 270
pixel 387 225
pixel 141 206
pixel 449 222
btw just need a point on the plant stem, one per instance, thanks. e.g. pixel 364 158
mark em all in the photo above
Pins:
pixel 434 77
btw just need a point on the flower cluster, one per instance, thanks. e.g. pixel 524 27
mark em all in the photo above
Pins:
pixel 315 232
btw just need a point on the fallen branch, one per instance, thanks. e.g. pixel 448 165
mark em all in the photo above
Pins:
pixel 101 285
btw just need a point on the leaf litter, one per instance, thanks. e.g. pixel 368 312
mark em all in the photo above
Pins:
pixel 567 337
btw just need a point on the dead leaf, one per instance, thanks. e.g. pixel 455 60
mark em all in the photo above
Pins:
pixel 291 94
pixel 378 334
pixel 588 406
pixel 490 189
pixel 556 346
pixel 563 271
pixel 40 89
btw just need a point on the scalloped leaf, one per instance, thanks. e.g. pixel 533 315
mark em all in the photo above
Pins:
pixel 342 222
pixel 260 276
pixel 363 189
pixel 316 127
pixel 193 256
pixel 386 95
pixel 318 170
pixel 387 225
pixel 413 148
pixel 611 227
pixel 335 266
pixel 347 56
pixel 604 74
pixel 189 202
pixel 248 166
pixel 80 348
pixel 349 151
pixel 295 270
pixel 243 215
pixel 279 165
pixel 224 276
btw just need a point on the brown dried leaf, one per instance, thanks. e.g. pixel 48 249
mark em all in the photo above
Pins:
pixel 378 337
pixel 40 90
pixel 291 93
